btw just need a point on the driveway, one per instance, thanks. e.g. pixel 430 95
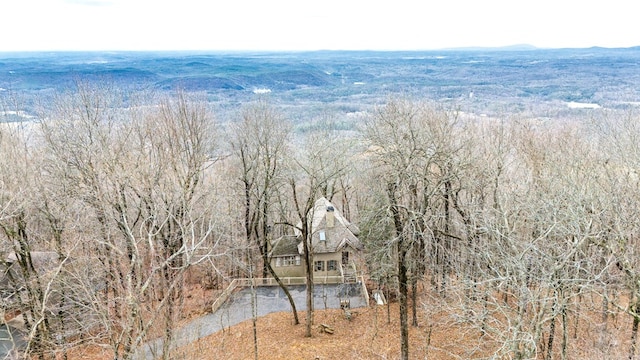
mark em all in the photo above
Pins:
pixel 269 299
pixel 10 339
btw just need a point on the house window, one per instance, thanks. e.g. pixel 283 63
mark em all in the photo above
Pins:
pixel 323 236
pixel 345 258
pixel 332 265
pixel 288 261
pixel 319 265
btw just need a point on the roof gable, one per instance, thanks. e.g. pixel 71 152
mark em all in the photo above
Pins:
pixel 330 230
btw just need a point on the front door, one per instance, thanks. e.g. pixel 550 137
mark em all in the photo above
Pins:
pixel 345 258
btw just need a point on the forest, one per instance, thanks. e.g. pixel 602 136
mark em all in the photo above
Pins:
pixel 523 229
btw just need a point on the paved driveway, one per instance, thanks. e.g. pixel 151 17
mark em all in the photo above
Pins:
pixel 269 299
pixel 9 339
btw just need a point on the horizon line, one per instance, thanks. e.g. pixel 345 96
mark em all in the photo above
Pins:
pixel 514 47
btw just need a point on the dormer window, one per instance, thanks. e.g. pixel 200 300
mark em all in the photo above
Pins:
pixel 323 236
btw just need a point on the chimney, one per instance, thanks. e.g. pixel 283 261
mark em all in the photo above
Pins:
pixel 331 219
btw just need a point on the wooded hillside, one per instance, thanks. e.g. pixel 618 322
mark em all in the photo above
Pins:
pixel 515 225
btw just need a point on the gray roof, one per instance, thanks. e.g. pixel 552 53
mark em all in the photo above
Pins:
pixel 285 246
pixel 342 234
pixel 42 260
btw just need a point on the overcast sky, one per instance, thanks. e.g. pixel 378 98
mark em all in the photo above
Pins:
pixel 36 25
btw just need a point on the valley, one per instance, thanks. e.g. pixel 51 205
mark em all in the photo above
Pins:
pixel 492 82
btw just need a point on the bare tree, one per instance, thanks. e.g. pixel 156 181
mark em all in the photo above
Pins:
pixel 260 142
pixel 16 214
pixel 309 171
pixel 409 145
pixel 144 190
pixel 619 136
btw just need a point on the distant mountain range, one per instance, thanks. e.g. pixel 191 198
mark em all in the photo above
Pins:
pixel 516 47
pixel 483 80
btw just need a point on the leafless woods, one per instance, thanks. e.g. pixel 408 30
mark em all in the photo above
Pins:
pixel 509 224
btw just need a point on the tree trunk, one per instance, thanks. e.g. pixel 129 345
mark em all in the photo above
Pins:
pixel 402 286
pixel 414 301
pixel 634 331
pixel 309 319
pixel 552 330
pixel 309 276
pixel 402 273
pixel 388 303
pixel 284 288
pixel 605 317
pixel 254 311
pixel 565 331
pixel 266 268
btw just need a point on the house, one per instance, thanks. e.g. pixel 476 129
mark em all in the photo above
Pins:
pixel 334 245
